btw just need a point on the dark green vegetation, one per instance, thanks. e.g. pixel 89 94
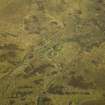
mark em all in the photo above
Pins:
pixel 52 52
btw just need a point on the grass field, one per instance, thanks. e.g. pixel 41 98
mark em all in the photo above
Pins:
pixel 52 52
